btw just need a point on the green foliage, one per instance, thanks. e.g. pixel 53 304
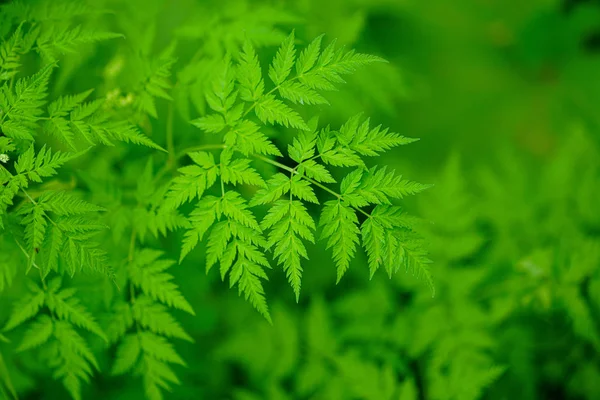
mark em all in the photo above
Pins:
pixel 145 144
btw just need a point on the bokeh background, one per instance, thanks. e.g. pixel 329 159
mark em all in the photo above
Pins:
pixel 505 98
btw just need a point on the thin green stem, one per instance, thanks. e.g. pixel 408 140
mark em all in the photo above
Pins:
pixel 35 203
pixel 318 184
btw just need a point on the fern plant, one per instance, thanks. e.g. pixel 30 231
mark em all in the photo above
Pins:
pixel 236 240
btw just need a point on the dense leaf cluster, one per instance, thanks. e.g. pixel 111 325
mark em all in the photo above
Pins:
pixel 247 220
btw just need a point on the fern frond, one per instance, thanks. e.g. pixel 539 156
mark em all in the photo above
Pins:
pixel 389 240
pixel 43 165
pixel 34 220
pixel 156 318
pixel 239 171
pixel 148 274
pixel 38 333
pixel 10 54
pixel 366 141
pixel 64 203
pixel 247 138
pixel 155 84
pixel 195 179
pixel 22 108
pixel 68 308
pixel 54 42
pixel 277 186
pixel 340 227
pixel 73 360
pixel 274 111
pixel 377 186
pixel 282 64
pixel 249 74
pixel 127 355
pixel 81 253
pixel 26 308
pixel 213 123
pixel 289 222
pixel 200 221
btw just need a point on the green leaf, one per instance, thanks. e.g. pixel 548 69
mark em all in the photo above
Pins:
pixel 213 123
pixel 299 93
pixel 128 353
pixel 249 74
pixel 339 223
pixel 284 61
pixel 37 334
pixel 200 221
pixel 68 308
pixel 273 111
pixel 247 138
pixel 156 318
pixel 147 273
pixel 309 56
pixel 289 222
pixel 277 186
pixel 23 108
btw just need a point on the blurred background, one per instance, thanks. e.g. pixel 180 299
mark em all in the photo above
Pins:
pixel 504 96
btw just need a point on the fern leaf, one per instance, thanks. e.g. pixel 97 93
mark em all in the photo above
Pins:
pixel 42 165
pixel 68 308
pixel 81 253
pixel 127 133
pixel 200 220
pixel 23 108
pixel 309 56
pixel 299 93
pixel 57 124
pixel 239 171
pixel 373 238
pixel 10 54
pixel 249 74
pixel 35 224
pixel 316 171
pixel 158 348
pixel 283 62
pixel 218 238
pixel 37 334
pixel 73 358
pixel 289 222
pixel 223 94
pixel 54 42
pixel 235 208
pixel 273 111
pixel 156 318
pixel 246 138
pixel 25 308
pixel 339 224
pixel 128 353
pixel 250 285
pixel 152 279
pixel 191 184
pixel 155 84
pixel 369 142
pixel 213 123
pixel 65 203
pixel 277 186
